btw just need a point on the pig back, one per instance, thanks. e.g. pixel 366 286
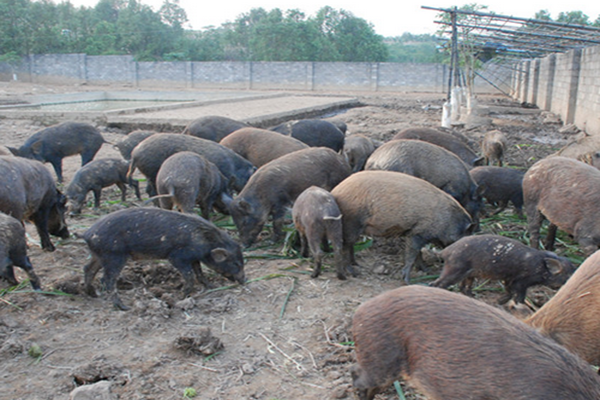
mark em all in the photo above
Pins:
pixel 454 347
pixel 385 203
pixel 259 146
pixel 445 140
pixel 565 191
pixel 291 174
pixel 27 186
pixel 572 316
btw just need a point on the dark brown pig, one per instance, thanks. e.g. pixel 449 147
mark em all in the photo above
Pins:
pixel 59 141
pixel 149 155
pixel 500 258
pixel 567 193
pixel 500 185
pixel 445 140
pixel 13 251
pixel 572 316
pixel 438 166
pixel 276 185
pixel 28 192
pixel 318 220
pixel 185 240
pixel 95 176
pixel 493 146
pixel 213 127
pixel 357 149
pixel 313 132
pixel 259 146
pixel 132 139
pixel 186 179
pixel 393 204
pixel 453 347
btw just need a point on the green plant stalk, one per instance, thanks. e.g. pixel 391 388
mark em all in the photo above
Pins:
pixel 287 298
pixel 399 390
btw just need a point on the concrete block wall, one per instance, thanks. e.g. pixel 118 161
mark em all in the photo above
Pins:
pixel 309 76
pixel 567 84
pixel 587 115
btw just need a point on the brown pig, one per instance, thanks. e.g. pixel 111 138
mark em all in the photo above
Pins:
pixel 357 149
pixel 567 193
pixel 259 146
pixel 493 146
pixel 501 258
pixel 442 139
pixel 438 166
pixel 276 185
pixel 452 347
pixel 393 204
pixel 186 179
pixel 318 219
pixel 572 316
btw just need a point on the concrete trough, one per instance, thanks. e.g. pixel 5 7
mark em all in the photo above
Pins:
pixel 172 111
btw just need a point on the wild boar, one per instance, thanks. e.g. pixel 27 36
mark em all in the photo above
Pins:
pixel 393 204
pixel 445 140
pixel 185 240
pixel 493 146
pixel 126 145
pixel 28 192
pixel 318 220
pixel 500 258
pixel 567 193
pixel 259 146
pixel 275 185
pixel 186 179
pixel 499 186
pixel 149 155
pixel 592 158
pixel 572 316
pixel 438 166
pixel 450 346
pixel 59 141
pixel 13 251
pixel 213 127
pixel 357 149
pixel 95 176
pixel 313 132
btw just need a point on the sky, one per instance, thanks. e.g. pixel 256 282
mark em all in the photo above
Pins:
pixel 388 17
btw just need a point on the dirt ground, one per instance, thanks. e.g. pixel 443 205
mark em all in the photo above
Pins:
pixel 281 336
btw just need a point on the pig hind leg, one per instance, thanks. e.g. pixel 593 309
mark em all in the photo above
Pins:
pixel 452 274
pixel 187 271
pixel 25 264
pixel 412 254
pixel 123 190
pixel 112 265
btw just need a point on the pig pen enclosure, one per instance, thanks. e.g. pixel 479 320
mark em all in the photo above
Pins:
pixel 283 335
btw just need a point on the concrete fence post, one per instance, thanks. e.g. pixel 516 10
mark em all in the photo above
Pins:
pixel 573 86
pixel 550 83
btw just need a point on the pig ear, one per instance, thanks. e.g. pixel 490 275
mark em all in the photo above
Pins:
pixel 219 254
pixel 553 265
pixel 245 207
pixel 36 147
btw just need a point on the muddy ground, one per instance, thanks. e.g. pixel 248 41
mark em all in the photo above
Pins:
pixel 281 336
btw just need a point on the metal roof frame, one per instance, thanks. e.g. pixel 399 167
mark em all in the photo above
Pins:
pixel 509 38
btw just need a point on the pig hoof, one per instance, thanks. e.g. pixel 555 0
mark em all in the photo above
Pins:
pixel 117 304
pixel 341 277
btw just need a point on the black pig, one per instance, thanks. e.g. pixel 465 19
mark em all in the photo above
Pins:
pixel 313 132
pixel 149 155
pixel 59 141
pixel 13 251
pixel 185 240
pixel 213 127
pixel 497 257
pixel 28 192
pixel 500 185
pixel 132 139
pixel 96 175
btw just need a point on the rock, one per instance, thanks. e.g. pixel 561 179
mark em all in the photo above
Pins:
pixel 97 391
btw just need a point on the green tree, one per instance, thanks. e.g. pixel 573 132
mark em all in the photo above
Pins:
pixel 573 17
